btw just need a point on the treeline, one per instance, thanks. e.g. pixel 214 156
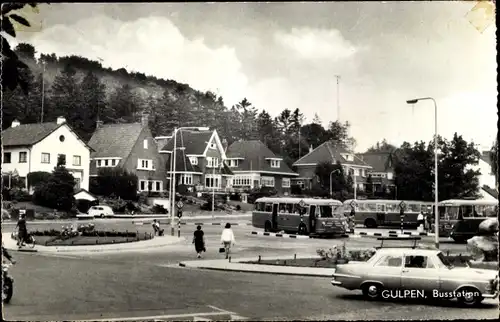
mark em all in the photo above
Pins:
pixel 82 91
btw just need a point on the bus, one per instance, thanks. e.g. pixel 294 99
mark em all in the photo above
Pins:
pixel 460 219
pixel 320 217
pixel 382 212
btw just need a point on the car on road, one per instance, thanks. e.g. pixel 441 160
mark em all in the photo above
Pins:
pixel 416 272
pixel 101 211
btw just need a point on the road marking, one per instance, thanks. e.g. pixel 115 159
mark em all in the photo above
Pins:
pixel 219 309
pixel 160 317
pixel 200 319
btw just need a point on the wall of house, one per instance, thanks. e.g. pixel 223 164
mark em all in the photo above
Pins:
pixel 487 178
pixel 306 171
pixel 151 153
pixel 70 146
pixel 22 168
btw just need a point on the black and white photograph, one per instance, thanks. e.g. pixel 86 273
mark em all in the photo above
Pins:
pixel 249 161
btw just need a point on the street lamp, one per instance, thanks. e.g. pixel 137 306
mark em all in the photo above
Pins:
pixel 172 173
pixel 331 189
pixel 436 212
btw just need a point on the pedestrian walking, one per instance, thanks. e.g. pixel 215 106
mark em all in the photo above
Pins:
pixel 227 239
pixel 22 230
pixel 199 241
pixel 420 221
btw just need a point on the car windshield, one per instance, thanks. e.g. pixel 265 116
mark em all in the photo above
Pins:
pixel 444 261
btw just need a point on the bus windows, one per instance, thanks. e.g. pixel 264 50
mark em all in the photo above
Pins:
pixel 413 207
pixel 268 207
pixel 325 212
pixel 467 211
pixel 259 206
pixel 282 208
pixel 380 208
pixel 296 209
pixel 390 208
pixel 370 207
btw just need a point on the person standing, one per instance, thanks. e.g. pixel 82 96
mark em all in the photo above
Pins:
pixel 420 221
pixel 22 230
pixel 199 241
pixel 227 239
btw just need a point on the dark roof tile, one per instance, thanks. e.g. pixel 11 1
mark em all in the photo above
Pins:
pixel 379 161
pixel 328 152
pixel 255 153
pixel 115 140
pixel 28 134
pixel 195 142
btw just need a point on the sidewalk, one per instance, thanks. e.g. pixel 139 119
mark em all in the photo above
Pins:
pixel 156 242
pixel 236 266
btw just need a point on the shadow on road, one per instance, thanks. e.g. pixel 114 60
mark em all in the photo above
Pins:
pixel 429 301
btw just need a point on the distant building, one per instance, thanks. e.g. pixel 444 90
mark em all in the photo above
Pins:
pixel 330 152
pixel 132 147
pixel 35 147
pixel 200 160
pixel 254 165
pixel 382 169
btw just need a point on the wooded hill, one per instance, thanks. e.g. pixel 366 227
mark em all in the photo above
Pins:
pixel 83 90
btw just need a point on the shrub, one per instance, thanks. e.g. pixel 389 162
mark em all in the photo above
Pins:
pixel 235 197
pixel 115 182
pixel 238 207
pixel 159 209
pixel 37 177
pixel 57 191
pixel 19 195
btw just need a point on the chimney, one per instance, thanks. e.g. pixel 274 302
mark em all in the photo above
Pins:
pixel 311 148
pixel 61 120
pixel 224 144
pixel 98 124
pixel 145 119
pixel 15 123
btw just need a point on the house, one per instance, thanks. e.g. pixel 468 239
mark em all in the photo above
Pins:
pixel 35 147
pixel 255 166
pixel 330 152
pixel 487 179
pixel 132 147
pixel 199 160
pixel 382 169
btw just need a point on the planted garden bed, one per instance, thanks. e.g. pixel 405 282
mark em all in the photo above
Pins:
pixel 54 237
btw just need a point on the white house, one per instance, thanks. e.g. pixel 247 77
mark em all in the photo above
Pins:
pixel 35 147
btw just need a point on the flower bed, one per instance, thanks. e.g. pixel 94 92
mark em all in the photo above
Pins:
pixel 54 237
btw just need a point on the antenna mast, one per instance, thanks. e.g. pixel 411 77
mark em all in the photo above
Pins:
pixel 338 97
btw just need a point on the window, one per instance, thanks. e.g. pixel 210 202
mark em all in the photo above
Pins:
pixel 7 157
pixel 144 164
pixel 145 143
pixel 113 162
pixel 285 183
pixel 23 157
pixel 213 146
pixel 267 181
pixel 142 185
pixel 106 163
pixel 187 179
pixel 355 172
pixel 242 181
pixel 77 160
pixel 389 175
pixel 61 138
pixel 193 160
pixel 77 183
pixel 212 162
pixel 158 186
pixel 416 261
pixel 390 261
pixel 275 163
pixel 212 182
pixel 268 207
pixel 233 163
pixel 45 157
pixel 98 163
pixel 259 206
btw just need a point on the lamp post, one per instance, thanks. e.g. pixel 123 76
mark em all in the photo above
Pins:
pixel 331 189
pixel 172 173
pixel 436 212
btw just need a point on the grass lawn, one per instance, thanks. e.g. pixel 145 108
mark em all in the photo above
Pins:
pixel 84 240
pixel 313 262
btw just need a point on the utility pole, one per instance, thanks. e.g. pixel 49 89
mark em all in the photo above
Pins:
pixel 43 91
pixel 338 97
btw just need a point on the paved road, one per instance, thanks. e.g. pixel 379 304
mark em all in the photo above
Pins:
pixel 117 287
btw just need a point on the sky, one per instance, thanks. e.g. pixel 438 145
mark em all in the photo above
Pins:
pixel 287 55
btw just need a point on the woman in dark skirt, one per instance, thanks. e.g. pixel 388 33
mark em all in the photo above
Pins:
pixel 199 241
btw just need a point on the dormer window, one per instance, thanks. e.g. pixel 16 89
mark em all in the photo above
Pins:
pixel 275 163
pixel 212 162
pixel 233 163
pixel 193 160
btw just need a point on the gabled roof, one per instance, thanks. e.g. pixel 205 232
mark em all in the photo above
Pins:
pixel 492 192
pixel 254 154
pixel 195 142
pixel 329 152
pixel 182 164
pixel 379 161
pixel 115 140
pixel 28 134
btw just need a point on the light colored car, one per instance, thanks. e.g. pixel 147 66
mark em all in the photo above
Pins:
pixel 101 211
pixel 416 273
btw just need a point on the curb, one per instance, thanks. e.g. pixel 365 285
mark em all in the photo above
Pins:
pixel 392 233
pixel 195 223
pixel 356 234
pixel 280 235
pixel 260 272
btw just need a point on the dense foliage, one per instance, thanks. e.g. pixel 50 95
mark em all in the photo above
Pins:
pixel 83 91
pixel 414 170
pixel 114 182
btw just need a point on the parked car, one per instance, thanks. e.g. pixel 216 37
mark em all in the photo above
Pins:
pixel 101 211
pixel 414 272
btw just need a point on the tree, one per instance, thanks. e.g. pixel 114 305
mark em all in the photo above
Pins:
pixel 383 146
pixel 412 170
pixel 12 66
pixel 456 179
pixel 93 105
pixel 316 119
pixel 314 134
pixel 57 192
pixel 115 182
pixel 248 115
pixel 494 159
pixel 339 132
pixel 326 171
pixel 66 98
pixel 369 185
pixel 268 133
pixel 124 104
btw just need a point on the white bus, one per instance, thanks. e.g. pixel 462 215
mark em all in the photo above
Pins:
pixel 319 216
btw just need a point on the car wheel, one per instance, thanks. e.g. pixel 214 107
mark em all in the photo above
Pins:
pixel 372 291
pixel 470 297
pixel 268 227
pixel 370 223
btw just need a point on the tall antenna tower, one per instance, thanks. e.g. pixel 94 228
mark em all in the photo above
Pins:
pixel 338 97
